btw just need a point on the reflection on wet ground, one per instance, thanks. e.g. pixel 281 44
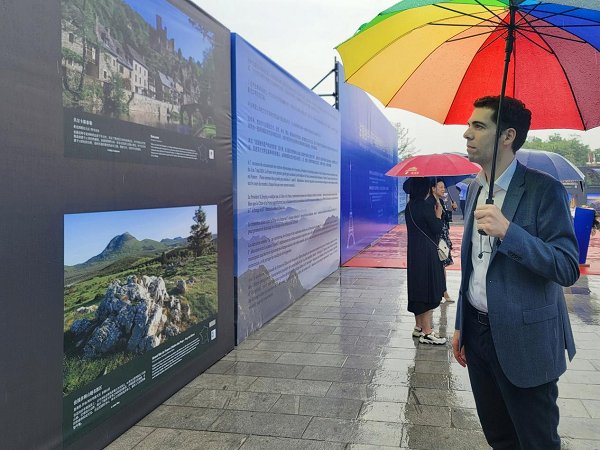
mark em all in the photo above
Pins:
pixel 340 370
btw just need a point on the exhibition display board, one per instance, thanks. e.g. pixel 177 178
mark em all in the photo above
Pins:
pixel 369 203
pixel 116 224
pixel 286 147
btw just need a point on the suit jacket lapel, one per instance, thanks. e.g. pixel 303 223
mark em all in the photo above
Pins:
pixel 470 206
pixel 511 200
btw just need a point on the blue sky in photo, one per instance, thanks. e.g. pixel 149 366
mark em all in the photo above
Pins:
pixel 186 36
pixel 87 235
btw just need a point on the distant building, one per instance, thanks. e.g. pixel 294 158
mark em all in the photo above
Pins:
pixel 114 58
pixel 139 78
pixel 168 90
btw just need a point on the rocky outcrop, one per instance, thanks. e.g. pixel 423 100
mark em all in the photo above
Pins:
pixel 136 315
pixel 86 309
pixel 181 286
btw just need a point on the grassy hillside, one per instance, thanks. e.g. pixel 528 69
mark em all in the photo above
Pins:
pixel 201 296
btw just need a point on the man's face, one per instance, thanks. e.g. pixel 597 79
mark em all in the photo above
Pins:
pixel 480 136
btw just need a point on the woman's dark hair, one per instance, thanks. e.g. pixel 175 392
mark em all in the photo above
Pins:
pixel 419 188
pixel 433 182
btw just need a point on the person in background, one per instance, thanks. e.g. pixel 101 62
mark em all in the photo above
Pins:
pixel 462 196
pixel 512 324
pixel 438 189
pixel 425 276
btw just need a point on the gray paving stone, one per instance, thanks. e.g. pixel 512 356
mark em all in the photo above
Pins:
pixel 305 329
pixel 368 392
pixel 351 310
pixel 221 366
pixel 130 438
pixel 579 428
pixel 183 396
pixel 286 404
pixel 572 408
pixel 382 411
pixel 440 397
pixel 209 398
pixel 169 439
pixel 592 407
pixel 580 391
pixel 251 401
pixel 371 362
pixel 277 336
pixel 579 444
pixel 580 364
pixel 582 377
pixel 308 359
pixel 399 353
pixel 217 381
pixel 320 315
pixel 335 374
pixel 441 438
pixel 328 338
pixel 347 349
pixel 271 443
pixel 293 320
pixel 248 344
pixel 391 378
pixel 433 416
pixel 265 370
pixel 252 356
pixel 183 417
pixel 261 423
pixel 293 347
pixel 341 323
pixel 294 387
pixel 329 407
pixel 354 431
pixel 466 419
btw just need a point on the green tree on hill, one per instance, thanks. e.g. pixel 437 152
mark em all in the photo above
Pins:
pixel 200 237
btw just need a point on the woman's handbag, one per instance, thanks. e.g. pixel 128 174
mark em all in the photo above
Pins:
pixel 442 248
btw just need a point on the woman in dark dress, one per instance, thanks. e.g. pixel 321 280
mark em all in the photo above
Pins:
pixel 438 189
pixel 425 272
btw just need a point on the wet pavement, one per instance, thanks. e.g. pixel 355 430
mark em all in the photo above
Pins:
pixel 340 370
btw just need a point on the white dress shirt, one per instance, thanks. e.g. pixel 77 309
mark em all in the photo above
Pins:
pixel 477 283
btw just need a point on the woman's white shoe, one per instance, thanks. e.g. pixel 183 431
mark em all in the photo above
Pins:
pixel 432 339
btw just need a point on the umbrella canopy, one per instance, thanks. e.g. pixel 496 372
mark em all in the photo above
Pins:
pixel 435 58
pixel 436 165
pixel 552 163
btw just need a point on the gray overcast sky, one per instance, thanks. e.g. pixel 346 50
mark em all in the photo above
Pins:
pixel 299 35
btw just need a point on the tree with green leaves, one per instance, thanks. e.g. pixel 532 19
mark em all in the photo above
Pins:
pixel 200 238
pixel 572 149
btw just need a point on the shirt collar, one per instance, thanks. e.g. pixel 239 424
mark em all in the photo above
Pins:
pixel 503 180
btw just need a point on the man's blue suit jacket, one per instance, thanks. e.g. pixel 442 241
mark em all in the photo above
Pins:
pixel 527 311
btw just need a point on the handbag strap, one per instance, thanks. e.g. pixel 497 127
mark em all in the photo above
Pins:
pixel 413 221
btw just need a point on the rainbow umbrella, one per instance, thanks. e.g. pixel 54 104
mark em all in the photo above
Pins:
pixel 435 58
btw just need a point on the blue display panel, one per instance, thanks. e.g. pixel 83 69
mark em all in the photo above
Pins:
pixel 286 195
pixel 369 203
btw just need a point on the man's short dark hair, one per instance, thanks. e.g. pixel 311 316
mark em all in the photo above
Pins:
pixel 515 115
pixel 419 188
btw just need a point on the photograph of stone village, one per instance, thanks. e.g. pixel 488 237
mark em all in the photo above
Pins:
pixel 117 64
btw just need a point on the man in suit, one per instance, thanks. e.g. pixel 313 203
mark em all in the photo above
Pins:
pixel 512 325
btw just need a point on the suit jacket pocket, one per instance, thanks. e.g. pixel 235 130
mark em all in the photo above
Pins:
pixel 540 314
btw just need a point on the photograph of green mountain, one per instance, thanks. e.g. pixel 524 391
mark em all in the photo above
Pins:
pixel 132 281
pixel 141 61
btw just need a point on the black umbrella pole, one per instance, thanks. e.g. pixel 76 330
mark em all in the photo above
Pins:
pixel 510 39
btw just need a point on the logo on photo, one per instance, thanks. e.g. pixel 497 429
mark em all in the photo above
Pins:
pixel 213 335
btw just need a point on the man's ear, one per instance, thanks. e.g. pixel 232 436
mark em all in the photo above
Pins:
pixel 510 134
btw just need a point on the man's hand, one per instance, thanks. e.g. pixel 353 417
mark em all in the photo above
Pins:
pixel 491 220
pixel 458 355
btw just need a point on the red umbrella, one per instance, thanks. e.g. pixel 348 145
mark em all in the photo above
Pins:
pixel 436 165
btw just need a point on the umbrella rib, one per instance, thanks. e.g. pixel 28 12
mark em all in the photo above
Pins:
pixel 467 37
pixel 501 35
pixel 566 78
pixel 528 13
pixel 563 38
pixel 534 43
pixel 489 10
pixel 564 13
pixel 465 14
